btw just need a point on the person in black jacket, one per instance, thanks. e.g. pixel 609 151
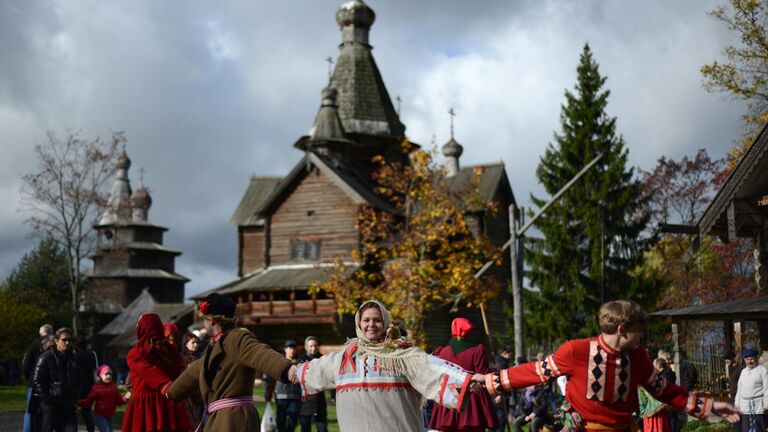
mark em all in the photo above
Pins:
pixel 55 387
pixel 689 377
pixel 28 366
pixel 87 363
pixel 313 408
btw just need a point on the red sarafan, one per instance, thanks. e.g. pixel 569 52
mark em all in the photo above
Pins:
pixel 153 364
pixel 479 413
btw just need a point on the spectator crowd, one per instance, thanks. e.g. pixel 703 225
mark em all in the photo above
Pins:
pixel 176 382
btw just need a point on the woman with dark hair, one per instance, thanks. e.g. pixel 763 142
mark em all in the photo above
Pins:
pixel 380 380
pixel 154 363
pixel 189 353
pixel 189 348
pixel 479 414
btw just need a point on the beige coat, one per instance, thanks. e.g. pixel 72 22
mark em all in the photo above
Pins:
pixel 241 361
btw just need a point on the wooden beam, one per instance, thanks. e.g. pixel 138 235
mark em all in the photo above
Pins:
pixel 737 338
pixel 676 348
pixel 678 229
pixel 692 249
pixel 728 335
pixel 731 215
pixel 298 319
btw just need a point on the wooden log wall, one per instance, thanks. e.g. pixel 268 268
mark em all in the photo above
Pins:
pixel 251 249
pixel 315 210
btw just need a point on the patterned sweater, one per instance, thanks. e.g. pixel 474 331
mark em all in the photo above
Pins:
pixel 603 382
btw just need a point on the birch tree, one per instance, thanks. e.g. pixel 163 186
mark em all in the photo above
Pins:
pixel 66 194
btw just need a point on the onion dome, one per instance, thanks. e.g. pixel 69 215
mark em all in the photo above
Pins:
pixel 123 162
pixel 140 203
pixel 141 199
pixel 452 149
pixel 355 13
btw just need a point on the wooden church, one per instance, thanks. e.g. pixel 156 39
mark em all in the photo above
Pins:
pixel 130 257
pixel 290 228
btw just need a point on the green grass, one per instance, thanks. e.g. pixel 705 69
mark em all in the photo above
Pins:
pixel 15 399
pixel 333 425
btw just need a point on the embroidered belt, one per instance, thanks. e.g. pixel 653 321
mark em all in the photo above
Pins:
pixel 233 402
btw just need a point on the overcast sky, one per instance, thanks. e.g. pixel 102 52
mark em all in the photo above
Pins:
pixel 210 93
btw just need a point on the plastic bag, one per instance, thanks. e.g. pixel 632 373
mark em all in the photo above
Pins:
pixel 268 423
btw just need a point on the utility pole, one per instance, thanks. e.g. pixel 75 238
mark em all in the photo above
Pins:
pixel 517 280
pixel 517 286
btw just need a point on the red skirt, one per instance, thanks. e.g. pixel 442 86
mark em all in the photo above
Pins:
pixel 658 422
pixel 153 412
pixel 478 414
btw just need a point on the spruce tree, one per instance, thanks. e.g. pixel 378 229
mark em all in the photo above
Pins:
pixel 590 240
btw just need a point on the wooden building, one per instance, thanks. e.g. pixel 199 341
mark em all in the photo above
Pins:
pixel 289 228
pixel 739 209
pixel 130 256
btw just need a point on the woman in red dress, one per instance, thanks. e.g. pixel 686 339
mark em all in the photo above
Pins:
pixel 479 413
pixel 153 364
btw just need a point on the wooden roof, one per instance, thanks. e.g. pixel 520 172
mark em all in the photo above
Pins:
pixel 259 190
pixel 295 277
pixel 150 246
pixel 136 273
pixel 168 313
pixel 744 309
pixel 492 177
pixel 364 105
pixel 128 317
pixel 348 180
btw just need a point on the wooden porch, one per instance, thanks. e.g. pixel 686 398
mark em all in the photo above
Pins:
pixel 292 311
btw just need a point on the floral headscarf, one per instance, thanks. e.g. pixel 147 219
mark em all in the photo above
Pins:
pixel 393 353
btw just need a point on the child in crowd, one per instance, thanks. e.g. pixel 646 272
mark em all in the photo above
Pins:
pixel 107 397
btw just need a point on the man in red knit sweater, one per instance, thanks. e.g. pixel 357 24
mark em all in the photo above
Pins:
pixel 603 376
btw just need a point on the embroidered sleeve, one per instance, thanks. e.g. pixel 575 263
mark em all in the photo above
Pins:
pixel 318 374
pixel 541 371
pixel 670 393
pixel 441 381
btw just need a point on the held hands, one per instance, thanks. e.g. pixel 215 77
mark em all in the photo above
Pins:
pixel 726 411
pixel 477 383
pixel 293 377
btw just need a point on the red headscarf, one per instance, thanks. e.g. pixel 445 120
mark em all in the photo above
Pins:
pixel 153 346
pixel 460 327
pixel 171 333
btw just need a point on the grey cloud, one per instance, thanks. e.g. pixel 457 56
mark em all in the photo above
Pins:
pixel 211 93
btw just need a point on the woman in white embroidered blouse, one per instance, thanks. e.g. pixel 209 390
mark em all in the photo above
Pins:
pixel 380 380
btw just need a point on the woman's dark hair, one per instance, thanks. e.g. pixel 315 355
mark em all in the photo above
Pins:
pixel 187 337
pixel 63 330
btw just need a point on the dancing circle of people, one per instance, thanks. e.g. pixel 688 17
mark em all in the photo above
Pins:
pixel 380 380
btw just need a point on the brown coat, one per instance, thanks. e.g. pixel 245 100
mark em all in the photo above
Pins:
pixel 243 359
